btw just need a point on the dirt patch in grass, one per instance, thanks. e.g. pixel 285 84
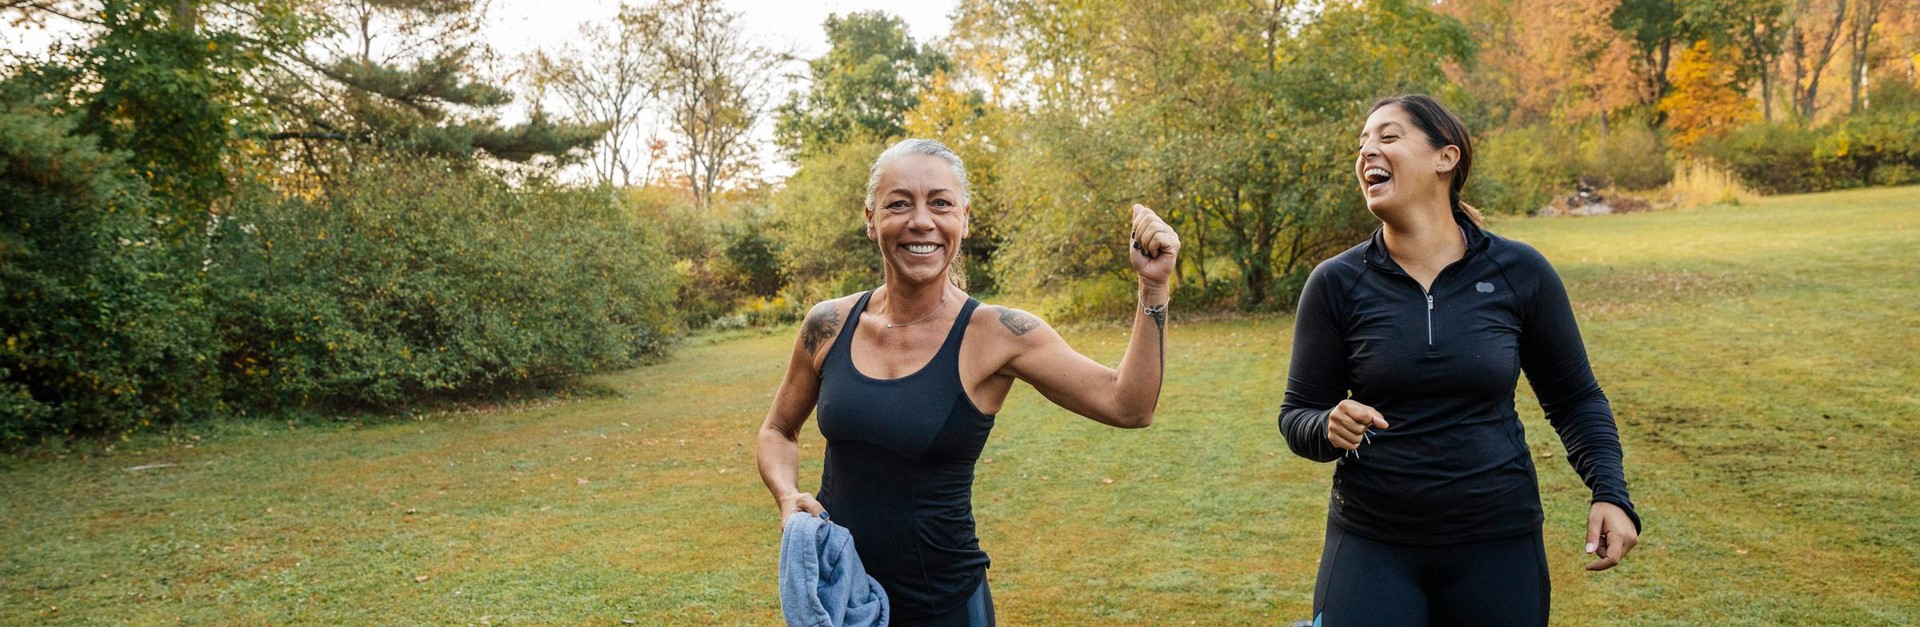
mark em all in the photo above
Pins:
pixel 1633 292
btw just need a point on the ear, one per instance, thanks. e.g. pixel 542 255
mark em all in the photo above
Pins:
pixel 868 216
pixel 1446 159
pixel 966 220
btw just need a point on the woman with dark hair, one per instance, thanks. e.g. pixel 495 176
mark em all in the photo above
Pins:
pixel 1406 352
pixel 907 389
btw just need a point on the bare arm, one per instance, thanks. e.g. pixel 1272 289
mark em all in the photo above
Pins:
pixel 1124 397
pixel 778 449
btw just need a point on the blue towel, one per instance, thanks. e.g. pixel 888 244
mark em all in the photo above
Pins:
pixel 822 583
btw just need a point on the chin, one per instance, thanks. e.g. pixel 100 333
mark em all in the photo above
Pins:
pixel 1378 206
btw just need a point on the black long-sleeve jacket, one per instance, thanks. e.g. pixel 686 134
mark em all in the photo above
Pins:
pixel 1441 366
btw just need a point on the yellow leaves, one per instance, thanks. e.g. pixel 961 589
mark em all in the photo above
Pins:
pixel 1704 101
pixel 211 46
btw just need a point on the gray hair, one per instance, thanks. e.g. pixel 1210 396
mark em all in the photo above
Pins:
pixel 928 147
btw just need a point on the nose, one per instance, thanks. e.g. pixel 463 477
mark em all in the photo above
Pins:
pixel 922 219
pixel 1369 149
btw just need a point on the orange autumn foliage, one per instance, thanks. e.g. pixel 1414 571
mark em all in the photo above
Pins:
pixel 1705 100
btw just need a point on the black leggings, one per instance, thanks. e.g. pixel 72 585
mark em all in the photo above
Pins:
pixel 1493 582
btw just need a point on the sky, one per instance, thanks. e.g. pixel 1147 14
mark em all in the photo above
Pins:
pixel 517 27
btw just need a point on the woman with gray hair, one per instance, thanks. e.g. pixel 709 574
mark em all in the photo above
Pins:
pixel 907 378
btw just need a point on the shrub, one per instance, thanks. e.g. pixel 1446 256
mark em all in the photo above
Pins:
pixel 417 279
pixel 1522 169
pixel 1772 158
pixel 103 328
pixel 1629 155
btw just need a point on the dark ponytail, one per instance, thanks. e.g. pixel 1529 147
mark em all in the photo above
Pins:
pixel 1443 129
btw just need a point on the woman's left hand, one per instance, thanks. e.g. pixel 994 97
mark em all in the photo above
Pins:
pixel 1610 535
pixel 1153 248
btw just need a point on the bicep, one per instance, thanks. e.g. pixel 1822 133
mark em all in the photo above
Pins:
pixel 1552 352
pixel 1317 370
pixel 1071 380
pixel 793 401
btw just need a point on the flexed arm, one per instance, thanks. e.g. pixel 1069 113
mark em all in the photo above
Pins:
pixel 1124 397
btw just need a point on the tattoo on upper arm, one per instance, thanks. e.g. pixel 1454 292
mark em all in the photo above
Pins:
pixel 821 325
pixel 1019 322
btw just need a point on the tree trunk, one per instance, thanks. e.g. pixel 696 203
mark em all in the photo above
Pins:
pixel 1810 96
pixel 1861 44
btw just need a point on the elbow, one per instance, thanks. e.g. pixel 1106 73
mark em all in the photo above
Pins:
pixel 1132 420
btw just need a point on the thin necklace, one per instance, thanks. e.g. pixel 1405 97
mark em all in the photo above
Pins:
pixel 930 314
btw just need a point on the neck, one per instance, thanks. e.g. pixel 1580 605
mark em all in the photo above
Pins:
pixel 904 299
pixel 1423 233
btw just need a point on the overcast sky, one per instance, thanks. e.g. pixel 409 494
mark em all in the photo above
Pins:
pixel 516 27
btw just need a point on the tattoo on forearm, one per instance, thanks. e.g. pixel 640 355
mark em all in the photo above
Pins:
pixel 1019 322
pixel 821 325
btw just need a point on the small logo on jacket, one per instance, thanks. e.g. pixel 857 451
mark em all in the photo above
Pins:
pixel 1483 287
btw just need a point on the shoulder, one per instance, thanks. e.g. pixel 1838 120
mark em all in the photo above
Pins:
pixel 824 320
pixel 1338 272
pixel 1516 255
pixel 1344 266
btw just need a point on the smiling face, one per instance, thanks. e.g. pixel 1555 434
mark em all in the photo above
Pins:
pixel 919 217
pixel 1398 166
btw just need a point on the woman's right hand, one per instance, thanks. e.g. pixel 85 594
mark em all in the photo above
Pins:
pixel 1347 424
pixel 799 502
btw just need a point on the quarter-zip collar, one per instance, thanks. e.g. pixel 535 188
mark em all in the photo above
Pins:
pixel 1379 259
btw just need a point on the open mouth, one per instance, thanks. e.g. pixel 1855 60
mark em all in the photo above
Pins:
pixel 1376 178
pixel 921 249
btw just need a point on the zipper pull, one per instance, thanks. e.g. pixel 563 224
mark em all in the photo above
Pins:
pixel 1429 302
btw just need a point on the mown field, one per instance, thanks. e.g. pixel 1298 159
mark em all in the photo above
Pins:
pixel 1763 361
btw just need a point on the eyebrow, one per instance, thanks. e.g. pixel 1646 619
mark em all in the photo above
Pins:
pixel 909 193
pixel 1381 127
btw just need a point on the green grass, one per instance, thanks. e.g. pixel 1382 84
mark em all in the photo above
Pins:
pixel 1763 361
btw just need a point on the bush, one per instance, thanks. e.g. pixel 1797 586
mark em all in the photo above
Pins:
pixel 1772 158
pixel 1522 169
pixel 1629 155
pixel 103 329
pixel 1878 146
pixel 416 279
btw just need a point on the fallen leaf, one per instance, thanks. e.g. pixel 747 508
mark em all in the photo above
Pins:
pixel 1739 551
pixel 1106 481
pixel 421 579
pixel 580 481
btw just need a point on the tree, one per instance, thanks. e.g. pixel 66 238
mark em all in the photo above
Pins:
pixel 1809 65
pixel 871 76
pixel 715 85
pixel 1860 43
pixel 608 82
pixel 1705 100
pixel 1759 33
pixel 1656 25
pixel 1229 117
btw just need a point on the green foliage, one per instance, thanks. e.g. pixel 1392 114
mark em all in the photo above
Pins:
pixel 1630 154
pixel 104 330
pixel 417 279
pixel 1522 169
pixel 1879 146
pixel 1772 158
pixel 872 75
pixel 1233 121
pixel 819 229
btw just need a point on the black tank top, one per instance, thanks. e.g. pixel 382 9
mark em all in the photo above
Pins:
pixel 899 471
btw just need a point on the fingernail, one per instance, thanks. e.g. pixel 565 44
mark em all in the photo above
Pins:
pixel 1591 546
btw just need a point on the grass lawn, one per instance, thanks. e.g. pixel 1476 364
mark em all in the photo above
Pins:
pixel 1763 361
